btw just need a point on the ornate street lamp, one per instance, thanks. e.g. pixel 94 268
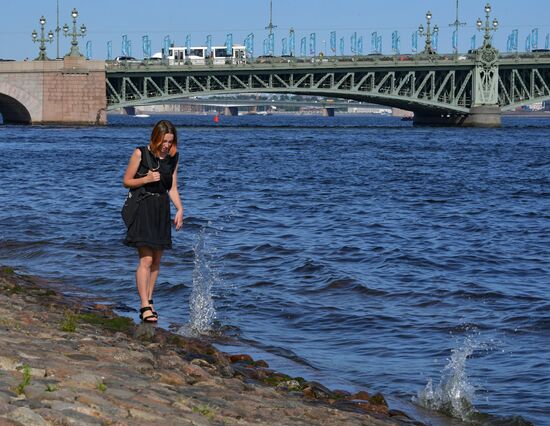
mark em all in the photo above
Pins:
pixel 488 28
pixel 42 40
pixel 428 50
pixel 74 34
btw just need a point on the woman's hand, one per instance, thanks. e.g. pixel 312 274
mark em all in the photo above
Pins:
pixel 152 177
pixel 178 219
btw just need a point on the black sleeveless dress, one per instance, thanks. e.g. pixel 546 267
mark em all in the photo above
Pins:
pixel 152 226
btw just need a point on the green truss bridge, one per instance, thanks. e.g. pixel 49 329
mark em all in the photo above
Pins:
pixel 469 90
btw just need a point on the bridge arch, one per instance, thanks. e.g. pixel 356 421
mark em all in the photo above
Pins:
pixel 15 103
pixel 515 105
pixel 388 100
pixel 13 111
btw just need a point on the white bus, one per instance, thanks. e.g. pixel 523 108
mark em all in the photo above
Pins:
pixel 198 55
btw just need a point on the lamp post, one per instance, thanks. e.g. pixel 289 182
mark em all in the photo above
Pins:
pixel 57 31
pixel 42 40
pixel 74 34
pixel 428 34
pixel 488 28
pixel 457 24
pixel 271 27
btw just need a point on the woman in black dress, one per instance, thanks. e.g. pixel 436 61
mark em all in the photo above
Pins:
pixel 150 232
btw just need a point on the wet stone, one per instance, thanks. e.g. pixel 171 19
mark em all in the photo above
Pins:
pixel 202 363
pixel 341 394
pixel 397 413
pixel 144 332
pixel 242 358
pixel 261 363
pixel 248 373
pixel 316 390
pixel 378 399
pixel 349 406
pixel 364 395
pixel 290 385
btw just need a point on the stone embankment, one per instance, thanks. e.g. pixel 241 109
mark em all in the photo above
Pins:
pixel 66 362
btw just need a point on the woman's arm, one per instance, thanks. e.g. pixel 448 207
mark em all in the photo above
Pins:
pixel 176 200
pixel 133 165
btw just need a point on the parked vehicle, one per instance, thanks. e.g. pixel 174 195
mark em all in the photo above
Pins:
pixel 124 59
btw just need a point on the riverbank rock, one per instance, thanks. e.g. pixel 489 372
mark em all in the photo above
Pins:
pixel 65 361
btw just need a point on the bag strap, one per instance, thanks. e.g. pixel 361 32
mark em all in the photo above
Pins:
pixel 148 160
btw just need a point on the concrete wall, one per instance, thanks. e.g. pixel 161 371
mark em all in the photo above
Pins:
pixel 71 91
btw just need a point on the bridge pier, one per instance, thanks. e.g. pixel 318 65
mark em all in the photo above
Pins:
pixel 233 111
pixel 483 116
pixel 480 116
pixel 129 110
pixel 328 112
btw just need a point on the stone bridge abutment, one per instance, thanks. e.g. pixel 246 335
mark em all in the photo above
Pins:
pixel 69 91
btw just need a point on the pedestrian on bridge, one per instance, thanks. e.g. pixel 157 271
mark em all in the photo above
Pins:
pixel 153 172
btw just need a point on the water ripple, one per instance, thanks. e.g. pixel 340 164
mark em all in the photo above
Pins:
pixel 355 247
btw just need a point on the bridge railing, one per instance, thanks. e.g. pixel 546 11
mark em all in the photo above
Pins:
pixel 374 59
pixel 282 61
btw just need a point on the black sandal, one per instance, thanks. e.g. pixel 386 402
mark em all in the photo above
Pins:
pixel 155 314
pixel 150 318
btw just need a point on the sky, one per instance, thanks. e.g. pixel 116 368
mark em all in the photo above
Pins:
pixel 110 20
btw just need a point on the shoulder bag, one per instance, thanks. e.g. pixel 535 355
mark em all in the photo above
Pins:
pixel 131 203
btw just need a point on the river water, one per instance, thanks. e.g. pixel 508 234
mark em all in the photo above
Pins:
pixel 358 251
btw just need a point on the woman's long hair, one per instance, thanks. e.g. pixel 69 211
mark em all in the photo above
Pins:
pixel 162 128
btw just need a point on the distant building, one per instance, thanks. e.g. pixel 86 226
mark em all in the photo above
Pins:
pixel 370 110
pixel 397 112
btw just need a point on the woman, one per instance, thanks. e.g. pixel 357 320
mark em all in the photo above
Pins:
pixel 155 167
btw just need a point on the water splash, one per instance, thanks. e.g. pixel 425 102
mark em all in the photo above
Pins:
pixel 202 312
pixel 453 395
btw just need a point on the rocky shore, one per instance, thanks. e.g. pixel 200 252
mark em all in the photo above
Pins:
pixel 68 362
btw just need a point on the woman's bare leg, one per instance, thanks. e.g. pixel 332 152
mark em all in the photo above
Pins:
pixel 155 267
pixel 143 277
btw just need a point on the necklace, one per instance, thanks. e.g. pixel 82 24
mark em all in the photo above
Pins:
pixel 158 166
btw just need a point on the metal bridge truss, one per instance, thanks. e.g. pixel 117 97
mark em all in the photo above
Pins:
pixel 521 85
pixel 423 88
pixel 435 88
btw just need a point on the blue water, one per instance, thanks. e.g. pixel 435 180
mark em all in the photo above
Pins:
pixel 356 250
